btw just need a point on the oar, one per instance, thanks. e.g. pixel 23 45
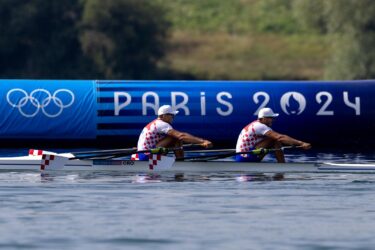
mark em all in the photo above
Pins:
pixel 257 151
pixel 127 152
pixel 103 151
pixel 122 153
pixel 211 150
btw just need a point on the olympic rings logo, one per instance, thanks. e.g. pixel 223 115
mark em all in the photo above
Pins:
pixel 56 104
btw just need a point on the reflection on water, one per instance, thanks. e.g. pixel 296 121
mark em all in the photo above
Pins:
pixel 109 210
pixel 81 178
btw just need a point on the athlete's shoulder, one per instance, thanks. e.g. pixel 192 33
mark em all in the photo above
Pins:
pixel 258 126
pixel 161 122
pixel 250 125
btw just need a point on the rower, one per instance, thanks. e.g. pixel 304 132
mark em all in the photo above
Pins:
pixel 159 133
pixel 259 134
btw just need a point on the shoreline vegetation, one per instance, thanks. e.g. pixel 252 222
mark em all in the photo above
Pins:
pixel 243 40
pixel 189 40
pixel 222 56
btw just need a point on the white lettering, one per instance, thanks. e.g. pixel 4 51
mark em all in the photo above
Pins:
pixel 181 105
pixel 356 105
pixel 322 110
pixel 154 106
pixel 203 103
pixel 221 101
pixel 256 100
pixel 292 103
pixel 117 96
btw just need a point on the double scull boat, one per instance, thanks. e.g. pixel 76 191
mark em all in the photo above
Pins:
pixel 61 162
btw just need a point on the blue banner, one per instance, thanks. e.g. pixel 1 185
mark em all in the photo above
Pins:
pixel 326 113
pixel 47 109
pixel 331 113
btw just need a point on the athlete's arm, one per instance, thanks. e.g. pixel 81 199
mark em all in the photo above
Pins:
pixel 287 140
pixel 185 137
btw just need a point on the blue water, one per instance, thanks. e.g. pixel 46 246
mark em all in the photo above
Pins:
pixel 118 211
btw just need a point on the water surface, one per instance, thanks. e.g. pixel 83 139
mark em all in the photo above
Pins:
pixel 120 211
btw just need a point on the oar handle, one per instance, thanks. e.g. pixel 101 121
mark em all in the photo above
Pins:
pixel 257 151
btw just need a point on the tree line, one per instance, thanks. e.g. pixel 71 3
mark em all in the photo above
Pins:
pixel 86 39
pixel 126 39
pixel 351 24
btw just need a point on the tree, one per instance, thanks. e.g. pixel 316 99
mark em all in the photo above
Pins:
pixel 311 15
pixel 124 38
pixel 275 16
pixel 39 39
pixel 81 39
pixel 351 24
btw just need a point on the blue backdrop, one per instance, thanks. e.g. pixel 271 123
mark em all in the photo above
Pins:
pixel 339 113
pixel 46 109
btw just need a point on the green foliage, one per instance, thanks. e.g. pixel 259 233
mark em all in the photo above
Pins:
pixel 275 16
pixel 311 15
pixel 209 15
pixel 234 17
pixel 39 39
pixel 81 39
pixel 222 56
pixel 352 25
pixel 124 38
pixel 354 58
pixel 211 39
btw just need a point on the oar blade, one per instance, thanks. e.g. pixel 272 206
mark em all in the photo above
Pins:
pixel 52 162
pixel 160 162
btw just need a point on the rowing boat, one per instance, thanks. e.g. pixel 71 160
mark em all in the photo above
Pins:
pixel 33 163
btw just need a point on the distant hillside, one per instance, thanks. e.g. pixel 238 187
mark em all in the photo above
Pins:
pixel 242 39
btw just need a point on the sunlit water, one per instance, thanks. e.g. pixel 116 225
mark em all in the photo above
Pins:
pixel 119 211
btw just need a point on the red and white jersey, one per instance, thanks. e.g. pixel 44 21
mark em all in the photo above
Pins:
pixel 251 135
pixel 152 134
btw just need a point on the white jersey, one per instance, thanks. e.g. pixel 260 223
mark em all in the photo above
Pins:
pixel 251 135
pixel 154 132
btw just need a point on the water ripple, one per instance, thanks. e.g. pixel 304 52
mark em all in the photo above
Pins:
pixel 213 211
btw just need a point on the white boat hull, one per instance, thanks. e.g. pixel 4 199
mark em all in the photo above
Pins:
pixel 33 163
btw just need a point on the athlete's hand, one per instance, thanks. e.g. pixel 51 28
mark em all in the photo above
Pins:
pixel 305 145
pixel 206 144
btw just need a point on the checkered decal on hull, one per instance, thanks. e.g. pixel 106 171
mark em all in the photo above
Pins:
pixel 160 162
pixel 46 159
pixel 134 157
pixel 153 160
pixel 35 152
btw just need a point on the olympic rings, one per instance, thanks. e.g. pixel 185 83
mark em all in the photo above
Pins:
pixel 39 104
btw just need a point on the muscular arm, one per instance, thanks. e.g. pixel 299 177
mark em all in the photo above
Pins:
pixel 287 140
pixel 185 137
